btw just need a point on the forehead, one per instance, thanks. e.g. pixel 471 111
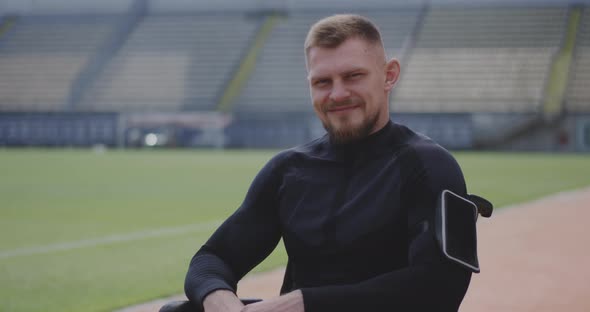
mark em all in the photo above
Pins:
pixel 351 54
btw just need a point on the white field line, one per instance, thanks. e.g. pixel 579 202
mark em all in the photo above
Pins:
pixel 110 239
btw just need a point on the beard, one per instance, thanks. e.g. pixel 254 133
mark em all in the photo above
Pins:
pixel 347 132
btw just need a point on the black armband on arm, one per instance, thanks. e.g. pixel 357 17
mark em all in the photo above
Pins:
pixel 455 229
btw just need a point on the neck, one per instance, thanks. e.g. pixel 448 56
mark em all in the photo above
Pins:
pixel 382 121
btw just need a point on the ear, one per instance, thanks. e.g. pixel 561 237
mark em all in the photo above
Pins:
pixel 392 71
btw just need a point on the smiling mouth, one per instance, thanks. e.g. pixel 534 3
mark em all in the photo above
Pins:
pixel 342 108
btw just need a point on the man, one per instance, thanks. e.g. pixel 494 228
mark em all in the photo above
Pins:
pixel 355 208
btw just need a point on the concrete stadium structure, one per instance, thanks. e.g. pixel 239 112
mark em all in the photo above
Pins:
pixel 483 74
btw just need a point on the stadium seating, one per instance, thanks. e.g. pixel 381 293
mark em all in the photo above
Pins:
pixel 480 60
pixel 279 82
pixel 460 59
pixel 40 57
pixel 173 62
pixel 578 95
pixel 459 62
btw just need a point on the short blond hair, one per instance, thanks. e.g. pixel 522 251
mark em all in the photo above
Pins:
pixel 332 31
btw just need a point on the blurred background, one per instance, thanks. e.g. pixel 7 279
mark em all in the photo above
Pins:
pixel 130 129
pixel 497 75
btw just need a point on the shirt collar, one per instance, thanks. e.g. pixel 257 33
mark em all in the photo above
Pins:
pixel 367 148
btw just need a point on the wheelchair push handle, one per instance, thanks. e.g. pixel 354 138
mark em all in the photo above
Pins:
pixel 484 207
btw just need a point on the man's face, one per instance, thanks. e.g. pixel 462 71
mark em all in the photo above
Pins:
pixel 349 86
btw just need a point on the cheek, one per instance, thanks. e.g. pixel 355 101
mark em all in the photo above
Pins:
pixel 318 99
pixel 368 96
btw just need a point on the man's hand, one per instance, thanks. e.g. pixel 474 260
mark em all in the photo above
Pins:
pixel 291 302
pixel 222 301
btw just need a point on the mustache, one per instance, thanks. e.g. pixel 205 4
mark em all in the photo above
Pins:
pixel 347 102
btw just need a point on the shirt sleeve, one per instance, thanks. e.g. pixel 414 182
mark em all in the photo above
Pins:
pixel 246 238
pixel 430 282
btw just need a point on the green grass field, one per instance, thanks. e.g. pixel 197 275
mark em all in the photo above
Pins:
pixel 82 231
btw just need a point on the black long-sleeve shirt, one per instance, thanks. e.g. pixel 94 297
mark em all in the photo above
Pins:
pixel 357 223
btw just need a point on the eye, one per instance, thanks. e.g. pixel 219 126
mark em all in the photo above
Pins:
pixel 356 75
pixel 321 82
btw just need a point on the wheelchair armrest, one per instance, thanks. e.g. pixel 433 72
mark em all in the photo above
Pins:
pixel 180 306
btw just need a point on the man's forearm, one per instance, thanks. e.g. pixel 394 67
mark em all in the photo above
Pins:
pixel 291 302
pixel 226 301
pixel 206 274
pixel 222 301
pixel 417 288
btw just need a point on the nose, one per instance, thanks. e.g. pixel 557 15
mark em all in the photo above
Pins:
pixel 339 92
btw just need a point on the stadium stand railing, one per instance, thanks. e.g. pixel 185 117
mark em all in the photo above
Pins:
pixel 553 105
pixel 246 64
pixel 105 52
pixel 578 93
